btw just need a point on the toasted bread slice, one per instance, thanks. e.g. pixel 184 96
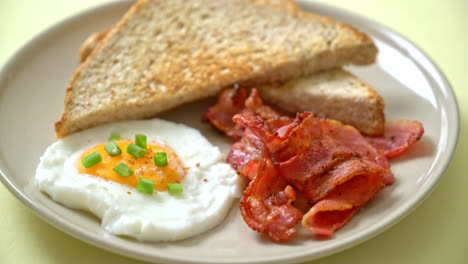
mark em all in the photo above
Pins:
pixel 162 54
pixel 336 94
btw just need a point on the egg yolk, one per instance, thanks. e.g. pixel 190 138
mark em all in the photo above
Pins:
pixel 144 167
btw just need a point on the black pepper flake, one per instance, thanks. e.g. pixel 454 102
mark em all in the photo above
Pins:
pixel 205 180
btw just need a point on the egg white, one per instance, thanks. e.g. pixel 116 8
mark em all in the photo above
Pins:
pixel 210 185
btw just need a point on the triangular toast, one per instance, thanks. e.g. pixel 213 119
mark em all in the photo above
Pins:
pixel 162 54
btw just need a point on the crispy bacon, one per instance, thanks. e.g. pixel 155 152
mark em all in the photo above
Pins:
pixel 351 138
pixel 317 157
pixel 322 185
pixel 231 101
pixel 337 208
pixel 245 154
pixel 398 136
pixel 234 100
pixel 332 165
pixel 267 204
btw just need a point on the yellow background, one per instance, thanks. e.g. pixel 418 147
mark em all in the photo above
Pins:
pixel 436 232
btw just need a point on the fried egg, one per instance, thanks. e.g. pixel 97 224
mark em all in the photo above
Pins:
pixel 210 185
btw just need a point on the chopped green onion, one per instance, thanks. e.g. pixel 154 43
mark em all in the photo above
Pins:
pixel 123 170
pixel 91 160
pixel 114 137
pixel 160 159
pixel 140 140
pixel 136 151
pixel 174 188
pixel 145 186
pixel 113 149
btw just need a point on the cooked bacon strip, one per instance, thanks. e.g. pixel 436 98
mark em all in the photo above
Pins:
pixel 234 100
pixel 331 164
pixel 319 187
pixel 398 136
pixel 267 204
pixel 337 208
pixel 231 101
pixel 351 138
pixel 245 154
pixel 318 157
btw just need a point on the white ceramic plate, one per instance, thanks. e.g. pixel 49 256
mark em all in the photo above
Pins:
pixel 32 88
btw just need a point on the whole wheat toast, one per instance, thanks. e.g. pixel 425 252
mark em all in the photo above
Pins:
pixel 162 54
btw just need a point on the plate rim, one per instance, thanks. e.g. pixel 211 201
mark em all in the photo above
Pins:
pixel 423 60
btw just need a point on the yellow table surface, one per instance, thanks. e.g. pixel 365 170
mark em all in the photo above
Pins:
pixel 436 232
